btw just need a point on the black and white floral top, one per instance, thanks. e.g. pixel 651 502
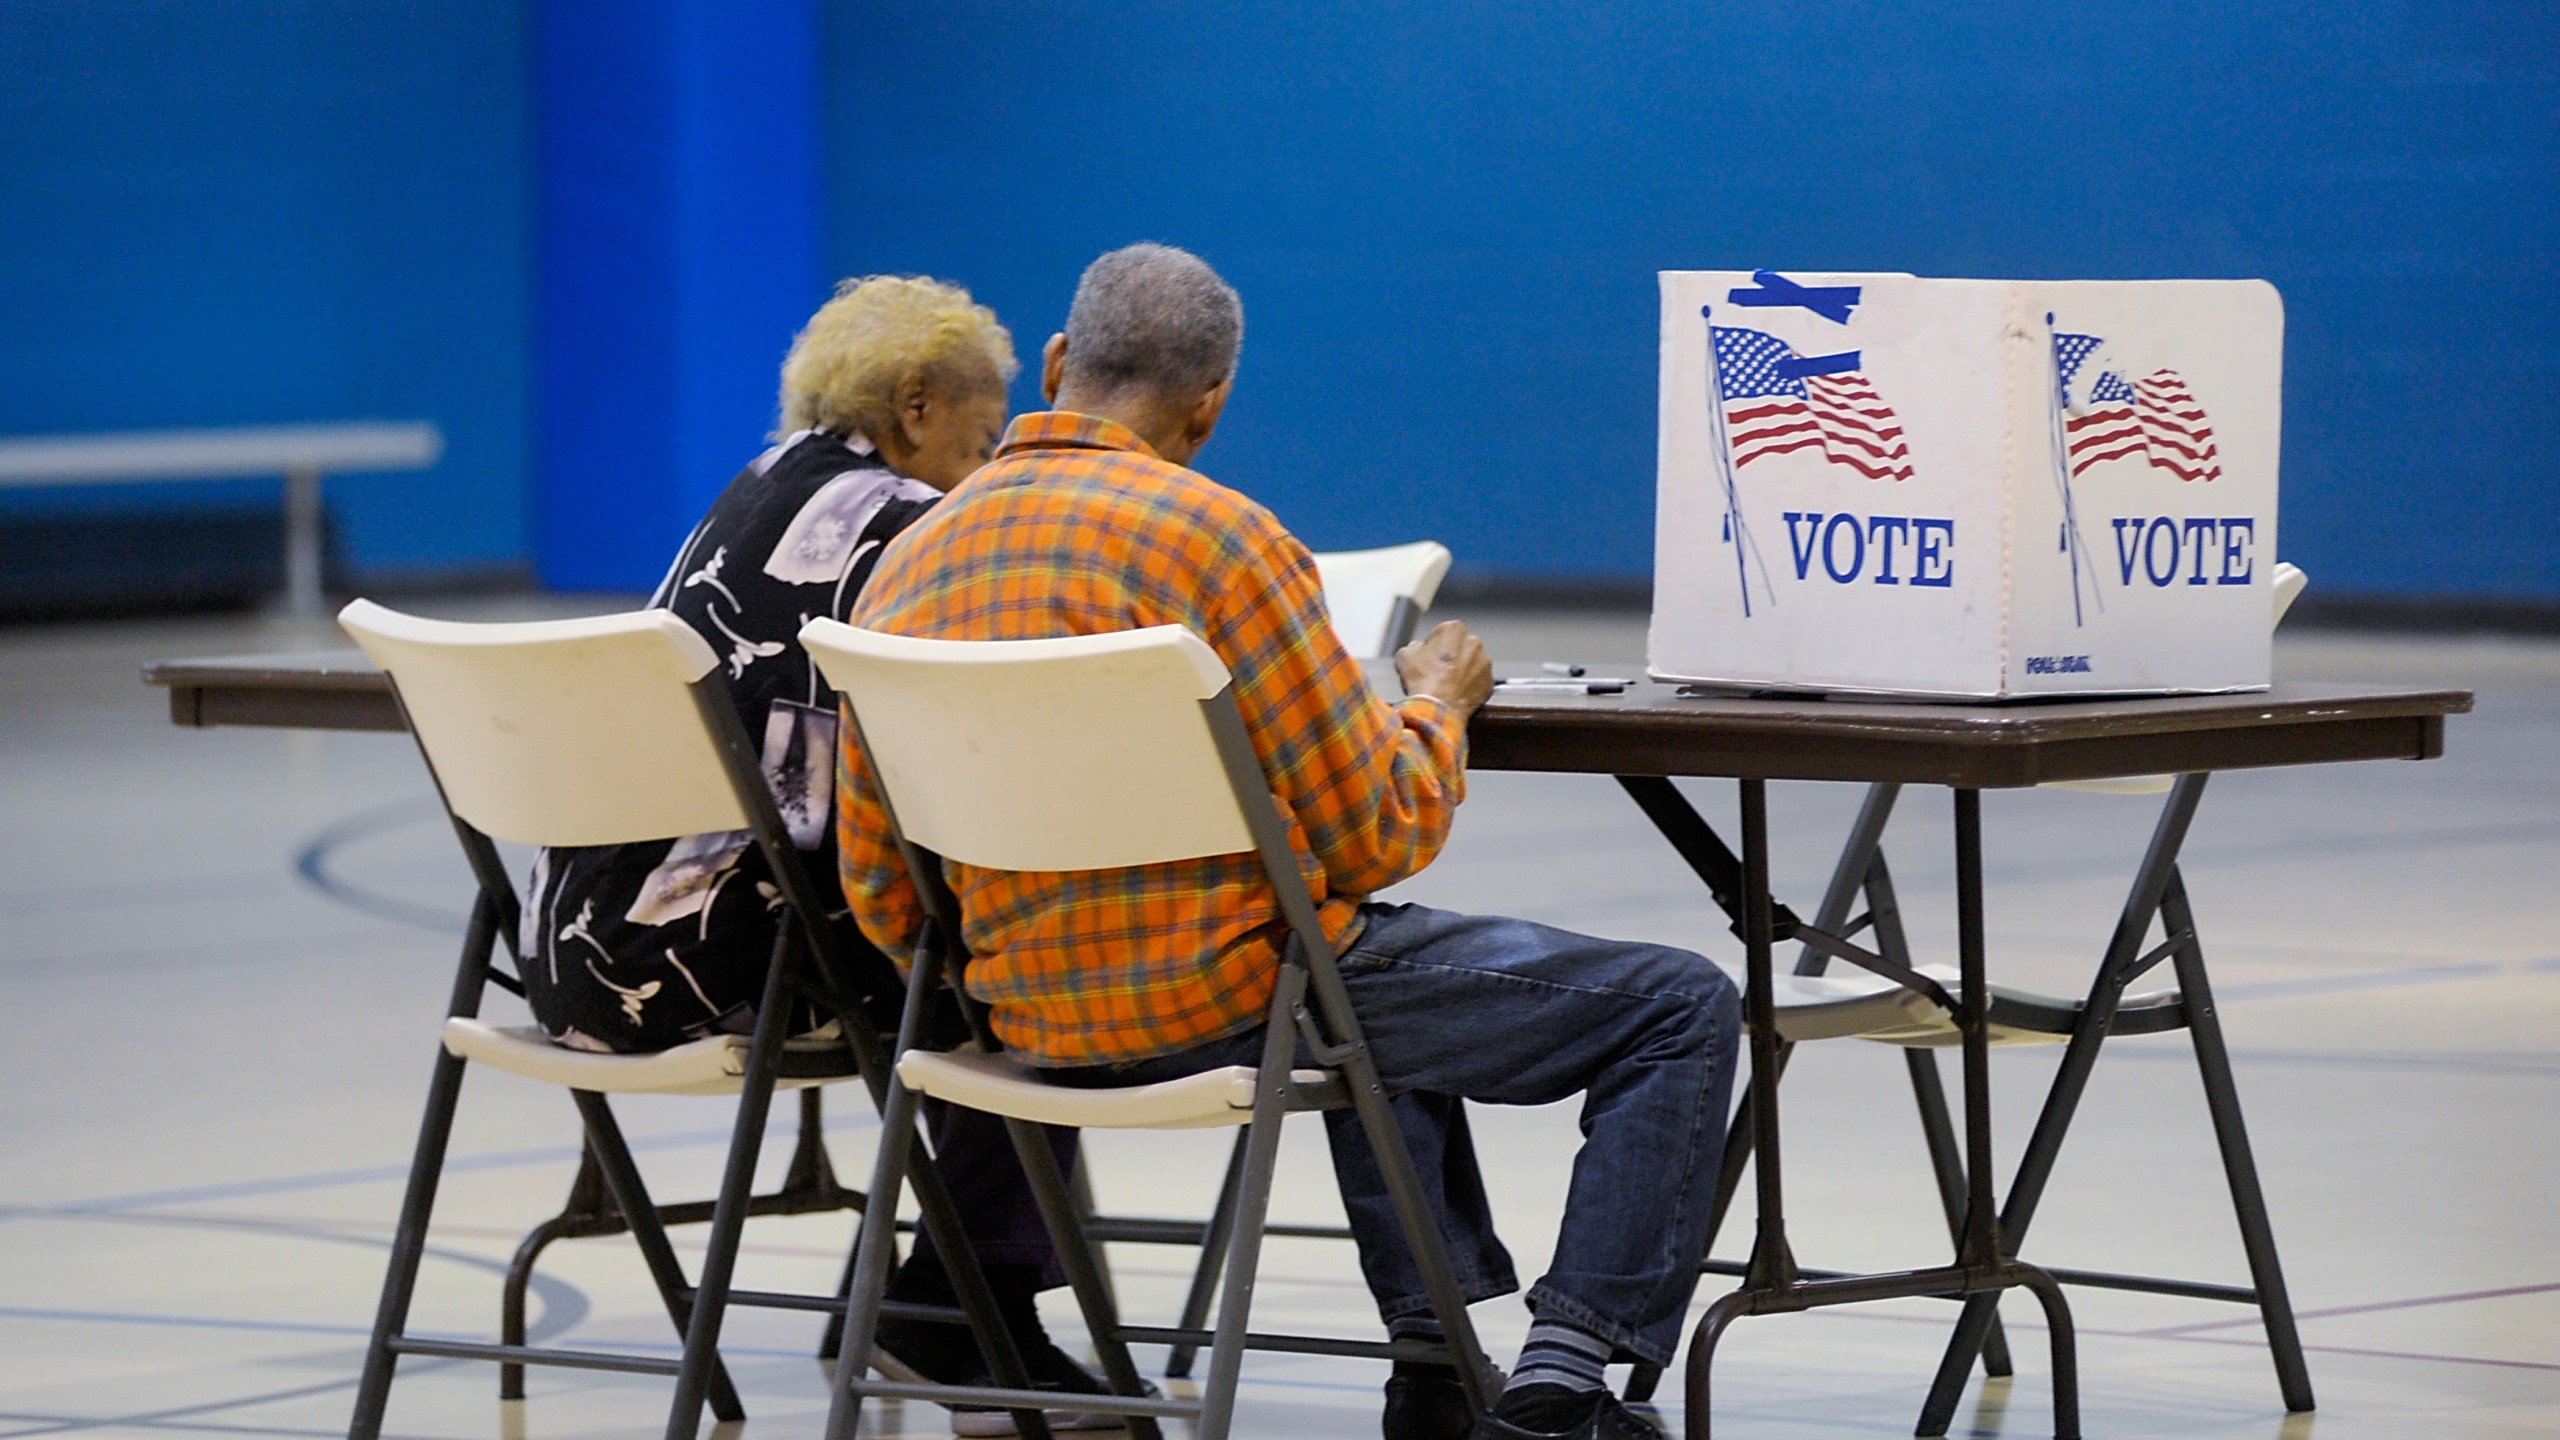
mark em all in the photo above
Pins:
pixel 639 947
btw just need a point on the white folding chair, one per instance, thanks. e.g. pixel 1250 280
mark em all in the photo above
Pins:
pixel 1086 753
pixel 1912 1006
pixel 1377 597
pixel 601 731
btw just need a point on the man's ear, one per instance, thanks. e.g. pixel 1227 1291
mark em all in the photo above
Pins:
pixel 1204 414
pixel 1053 366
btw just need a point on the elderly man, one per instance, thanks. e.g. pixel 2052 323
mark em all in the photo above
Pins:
pixel 1088 521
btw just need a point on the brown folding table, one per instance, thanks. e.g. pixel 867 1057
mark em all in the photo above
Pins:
pixel 1654 732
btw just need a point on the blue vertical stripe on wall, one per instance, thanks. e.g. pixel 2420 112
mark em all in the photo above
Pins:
pixel 678 247
pixel 1445 219
pixel 300 210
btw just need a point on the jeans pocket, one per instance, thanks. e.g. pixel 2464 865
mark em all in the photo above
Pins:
pixel 1357 961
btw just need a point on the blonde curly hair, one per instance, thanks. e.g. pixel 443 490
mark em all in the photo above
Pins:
pixel 880 331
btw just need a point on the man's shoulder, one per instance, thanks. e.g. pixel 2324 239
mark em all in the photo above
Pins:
pixel 1135 485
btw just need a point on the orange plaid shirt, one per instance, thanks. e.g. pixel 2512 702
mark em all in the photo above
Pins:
pixel 1077 527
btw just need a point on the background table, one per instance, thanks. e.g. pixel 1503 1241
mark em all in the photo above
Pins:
pixel 302 454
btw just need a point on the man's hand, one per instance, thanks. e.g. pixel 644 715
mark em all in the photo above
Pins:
pixel 1449 665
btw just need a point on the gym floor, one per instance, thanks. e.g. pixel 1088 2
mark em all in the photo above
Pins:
pixel 227 952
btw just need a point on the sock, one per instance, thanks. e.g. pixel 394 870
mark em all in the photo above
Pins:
pixel 1559 1356
pixel 1425 1328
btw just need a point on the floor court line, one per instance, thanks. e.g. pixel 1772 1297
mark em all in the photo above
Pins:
pixel 378 1174
pixel 2172 1332
pixel 2522 1066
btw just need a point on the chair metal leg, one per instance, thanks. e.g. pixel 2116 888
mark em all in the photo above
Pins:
pixel 969 1282
pixel 587 1200
pixel 2239 1165
pixel 874 1242
pixel 1080 1186
pixel 902 1160
pixel 1244 1250
pixel 426 1168
pixel 612 1158
pixel 831 1340
pixel 737 1187
pixel 1853 873
pixel 1213 1255
pixel 408 1247
pixel 1080 1256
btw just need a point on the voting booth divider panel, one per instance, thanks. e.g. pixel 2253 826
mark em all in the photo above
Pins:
pixel 1966 489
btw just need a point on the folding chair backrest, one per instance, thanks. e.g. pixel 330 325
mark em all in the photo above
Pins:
pixel 1361 588
pixel 2289 583
pixel 559 732
pixel 1087 752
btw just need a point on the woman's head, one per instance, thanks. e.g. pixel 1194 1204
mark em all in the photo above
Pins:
pixel 911 364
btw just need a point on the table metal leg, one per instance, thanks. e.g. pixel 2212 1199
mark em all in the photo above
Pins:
pixel 1773 1283
pixel 303 528
pixel 1772 1263
pixel 2044 1144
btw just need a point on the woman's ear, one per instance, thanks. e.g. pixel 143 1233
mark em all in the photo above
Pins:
pixel 915 401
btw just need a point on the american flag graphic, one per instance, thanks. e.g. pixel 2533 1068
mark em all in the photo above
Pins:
pixel 1777 401
pixel 2155 417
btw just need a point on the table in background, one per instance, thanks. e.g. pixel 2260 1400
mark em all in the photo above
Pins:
pixel 302 454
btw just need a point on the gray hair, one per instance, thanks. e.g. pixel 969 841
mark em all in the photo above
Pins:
pixel 1156 319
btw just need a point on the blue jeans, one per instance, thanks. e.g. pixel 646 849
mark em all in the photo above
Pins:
pixel 1460 1007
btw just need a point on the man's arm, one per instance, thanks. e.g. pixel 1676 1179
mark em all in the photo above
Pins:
pixel 1372 787
pixel 873 873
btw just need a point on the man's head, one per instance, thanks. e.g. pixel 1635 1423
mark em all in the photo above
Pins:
pixel 1151 341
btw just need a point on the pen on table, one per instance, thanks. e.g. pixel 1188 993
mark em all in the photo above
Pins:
pixel 1554 667
pixel 1554 685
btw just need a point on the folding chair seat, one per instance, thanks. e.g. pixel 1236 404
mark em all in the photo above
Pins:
pixel 601 731
pixel 1861 1006
pixel 716 1066
pixel 1210 1100
pixel 1818 1003
pixel 1089 753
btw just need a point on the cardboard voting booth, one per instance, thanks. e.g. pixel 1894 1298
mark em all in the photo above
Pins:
pixel 1966 489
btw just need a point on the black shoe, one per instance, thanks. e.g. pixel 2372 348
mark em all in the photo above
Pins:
pixel 1426 1402
pixel 1051 1369
pixel 925 1352
pixel 1551 1412
pixel 932 1353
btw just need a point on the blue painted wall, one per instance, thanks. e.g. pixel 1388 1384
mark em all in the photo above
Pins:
pixel 296 210
pixel 1445 219
pixel 678 254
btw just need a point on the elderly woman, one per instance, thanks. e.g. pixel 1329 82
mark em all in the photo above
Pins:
pixel 894 393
